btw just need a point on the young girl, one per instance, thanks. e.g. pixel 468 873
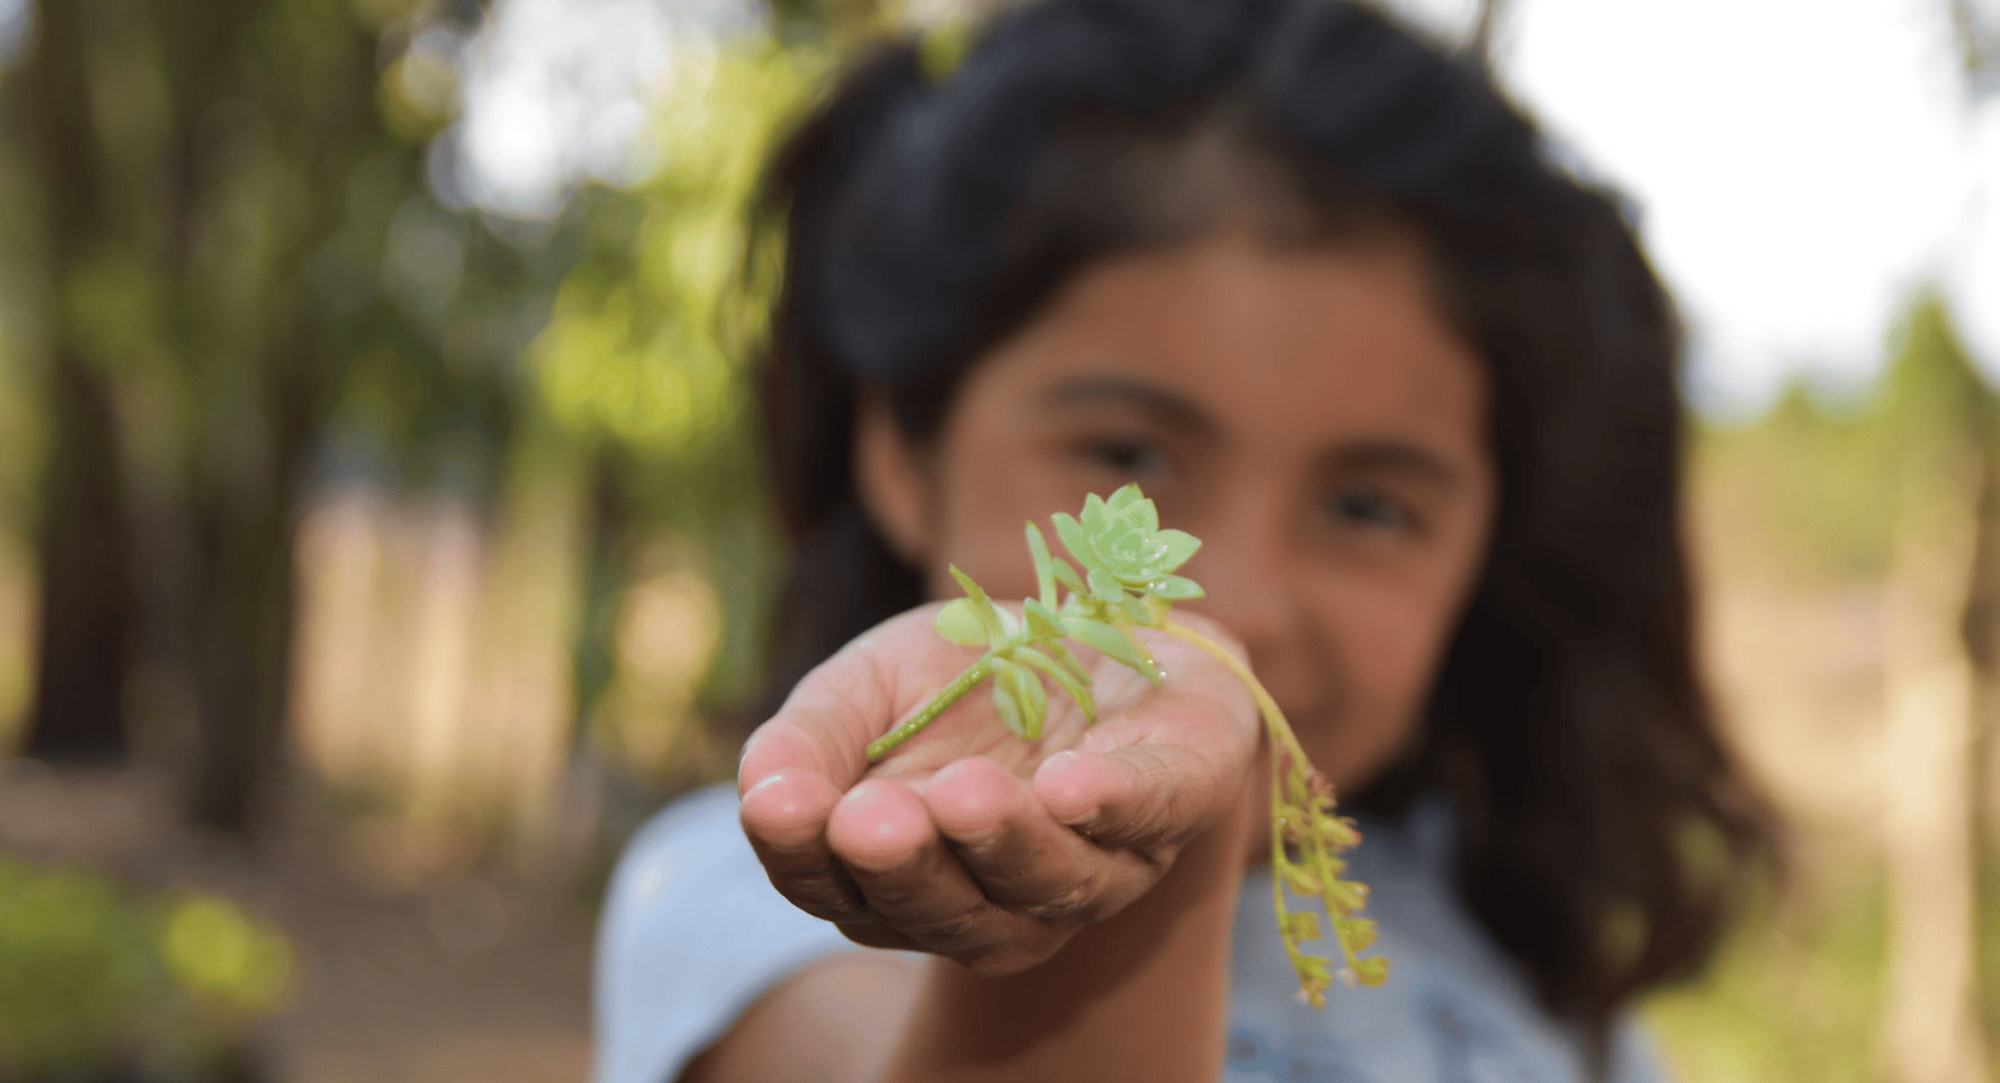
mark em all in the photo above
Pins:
pixel 1327 298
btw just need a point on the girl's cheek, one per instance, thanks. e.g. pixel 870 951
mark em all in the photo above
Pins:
pixel 1386 640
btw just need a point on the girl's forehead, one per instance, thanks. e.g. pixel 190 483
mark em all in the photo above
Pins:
pixel 1250 336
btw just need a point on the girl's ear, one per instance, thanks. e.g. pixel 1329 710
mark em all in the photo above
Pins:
pixel 889 474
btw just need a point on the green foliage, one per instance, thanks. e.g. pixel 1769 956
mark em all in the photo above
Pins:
pixel 645 357
pixel 1796 994
pixel 1825 478
pixel 647 340
pixel 93 978
pixel 1127 581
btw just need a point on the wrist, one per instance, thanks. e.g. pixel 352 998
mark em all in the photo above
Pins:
pixel 1142 995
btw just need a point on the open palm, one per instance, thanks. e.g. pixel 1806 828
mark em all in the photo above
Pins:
pixel 967 841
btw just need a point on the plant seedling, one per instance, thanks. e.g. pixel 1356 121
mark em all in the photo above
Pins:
pixel 1127 581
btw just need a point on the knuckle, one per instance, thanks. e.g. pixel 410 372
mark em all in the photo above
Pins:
pixel 824 901
pixel 1073 901
pixel 949 934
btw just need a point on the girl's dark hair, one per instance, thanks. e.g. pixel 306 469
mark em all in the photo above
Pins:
pixel 1604 831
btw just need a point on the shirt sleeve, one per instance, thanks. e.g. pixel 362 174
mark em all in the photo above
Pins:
pixel 692 934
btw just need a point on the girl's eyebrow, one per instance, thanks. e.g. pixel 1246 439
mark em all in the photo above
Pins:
pixel 1386 456
pixel 1120 390
pixel 1395 457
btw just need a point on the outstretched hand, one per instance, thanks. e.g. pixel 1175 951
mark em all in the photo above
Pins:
pixel 967 842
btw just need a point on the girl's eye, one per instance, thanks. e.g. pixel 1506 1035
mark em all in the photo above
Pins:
pixel 1132 458
pixel 1366 507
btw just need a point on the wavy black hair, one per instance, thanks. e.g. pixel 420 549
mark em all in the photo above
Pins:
pixel 1605 833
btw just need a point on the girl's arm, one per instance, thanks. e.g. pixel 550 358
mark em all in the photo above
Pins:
pixel 1080 892
pixel 1143 995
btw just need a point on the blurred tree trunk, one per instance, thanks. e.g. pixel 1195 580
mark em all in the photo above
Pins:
pixel 239 507
pixel 243 626
pixel 1980 631
pixel 89 606
pixel 1932 1025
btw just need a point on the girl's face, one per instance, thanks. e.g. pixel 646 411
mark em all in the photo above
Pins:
pixel 1305 411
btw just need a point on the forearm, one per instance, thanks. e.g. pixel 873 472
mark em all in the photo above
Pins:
pixel 836 1021
pixel 1141 996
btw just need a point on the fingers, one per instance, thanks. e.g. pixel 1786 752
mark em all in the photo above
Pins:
pixel 973 864
pixel 1022 858
pixel 1150 798
pixel 917 890
pixel 784 816
pixel 884 836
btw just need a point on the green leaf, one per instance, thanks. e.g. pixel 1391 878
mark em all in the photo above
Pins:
pixel 1035 701
pixel 1371 971
pixel 1315 974
pixel 1301 927
pixel 1114 644
pixel 1030 699
pixel 1078 690
pixel 1104 587
pixel 1070 532
pixel 1127 495
pixel 1093 517
pixel 1180 545
pixel 1009 708
pixel 1045 578
pixel 1297 877
pixel 1347 895
pixel 1062 654
pixel 1338 832
pixel 1357 934
pixel 989 617
pixel 1068 577
pixel 1176 589
pixel 1043 623
pixel 1119 540
pixel 1144 514
pixel 959 622
pixel 1136 609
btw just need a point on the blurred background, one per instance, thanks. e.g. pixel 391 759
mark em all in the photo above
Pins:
pixel 382 539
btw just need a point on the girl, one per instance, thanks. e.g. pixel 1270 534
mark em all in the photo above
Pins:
pixel 1324 294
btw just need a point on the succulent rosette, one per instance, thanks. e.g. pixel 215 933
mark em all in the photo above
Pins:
pixel 1121 537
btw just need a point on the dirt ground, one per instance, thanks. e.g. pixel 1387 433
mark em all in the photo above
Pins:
pixel 467 977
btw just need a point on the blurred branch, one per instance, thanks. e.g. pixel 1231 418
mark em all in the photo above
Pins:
pixel 1978 36
pixel 1485 29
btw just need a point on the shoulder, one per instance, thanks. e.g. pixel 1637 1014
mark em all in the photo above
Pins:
pixel 1454 1009
pixel 692 932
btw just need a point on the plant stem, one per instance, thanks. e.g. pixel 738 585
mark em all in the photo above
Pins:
pixel 1274 719
pixel 948 695
pixel 1286 755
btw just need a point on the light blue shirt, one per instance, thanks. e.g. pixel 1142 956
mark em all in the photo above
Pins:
pixel 693 933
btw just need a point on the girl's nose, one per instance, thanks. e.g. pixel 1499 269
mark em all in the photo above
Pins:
pixel 1248 567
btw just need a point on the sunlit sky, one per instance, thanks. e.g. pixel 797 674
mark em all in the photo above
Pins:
pixel 1802 166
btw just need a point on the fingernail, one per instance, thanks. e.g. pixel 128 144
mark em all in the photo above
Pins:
pixel 766 782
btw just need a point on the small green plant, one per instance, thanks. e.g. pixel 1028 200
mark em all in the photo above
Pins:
pixel 1128 582
pixel 98 982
